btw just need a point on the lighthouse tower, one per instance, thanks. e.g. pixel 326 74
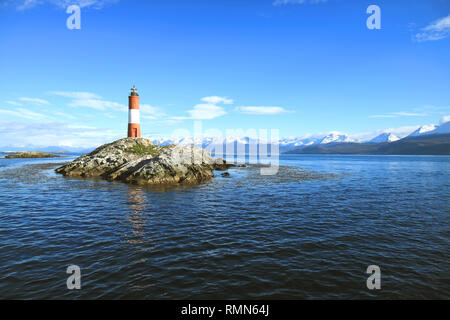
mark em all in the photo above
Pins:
pixel 134 128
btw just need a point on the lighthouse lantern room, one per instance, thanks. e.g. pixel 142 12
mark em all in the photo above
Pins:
pixel 134 128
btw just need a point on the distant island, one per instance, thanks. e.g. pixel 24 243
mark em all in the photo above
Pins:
pixel 29 154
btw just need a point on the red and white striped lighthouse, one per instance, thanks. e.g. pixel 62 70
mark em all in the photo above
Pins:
pixel 134 128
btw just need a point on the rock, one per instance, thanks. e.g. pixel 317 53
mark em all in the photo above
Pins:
pixel 31 154
pixel 225 174
pixel 137 160
pixel 221 164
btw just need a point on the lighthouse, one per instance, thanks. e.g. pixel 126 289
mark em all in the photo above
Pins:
pixel 134 128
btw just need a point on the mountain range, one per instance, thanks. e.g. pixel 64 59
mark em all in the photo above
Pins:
pixel 432 144
pixel 426 140
pixel 333 142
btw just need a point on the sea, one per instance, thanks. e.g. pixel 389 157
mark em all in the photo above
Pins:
pixel 314 230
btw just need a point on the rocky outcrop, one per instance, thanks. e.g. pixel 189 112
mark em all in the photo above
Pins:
pixel 31 154
pixel 221 164
pixel 137 160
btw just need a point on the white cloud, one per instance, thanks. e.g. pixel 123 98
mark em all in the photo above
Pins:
pixel 206 111
pixel 445 119
pixel 285 2
pixel 216 100
pixel 150 112
pixel 14 103
pixel 29 4
pixel 382 116
pixel 35 101
pixel 24 113
pixel 261 110
pixel 63 115
pixel 410 114
pixel 89 100
pixel 75 94
pixel 399 114
pixel 98 104
pixel 95 101
pixel 436 30
pixel 432 109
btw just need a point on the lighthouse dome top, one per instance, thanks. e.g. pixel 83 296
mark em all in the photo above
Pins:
pixel 134 91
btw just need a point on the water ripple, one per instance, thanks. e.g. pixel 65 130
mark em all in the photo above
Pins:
pixel 308 232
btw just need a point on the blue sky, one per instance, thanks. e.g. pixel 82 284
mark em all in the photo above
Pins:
pixel 298 66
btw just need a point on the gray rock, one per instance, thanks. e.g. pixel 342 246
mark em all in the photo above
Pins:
pixel 137 160
pixel 221 164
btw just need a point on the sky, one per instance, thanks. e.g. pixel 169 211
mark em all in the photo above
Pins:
pixel 298 66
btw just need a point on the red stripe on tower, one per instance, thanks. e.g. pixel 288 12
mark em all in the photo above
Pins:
pixel 134 127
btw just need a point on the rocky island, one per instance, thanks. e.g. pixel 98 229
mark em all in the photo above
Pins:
pixel 137 160
pixel 31 154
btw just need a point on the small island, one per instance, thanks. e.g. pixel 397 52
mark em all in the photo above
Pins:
pixel 139 161
pixel 30 154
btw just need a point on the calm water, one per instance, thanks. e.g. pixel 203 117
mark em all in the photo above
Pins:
pixel 309 232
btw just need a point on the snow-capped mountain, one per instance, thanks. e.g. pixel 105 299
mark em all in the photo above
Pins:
pixel 214 144
pixel 426 129
pixel 203 141
pixel 334 137
pixel 384 137
pixel 432 129
pixel 290 143
pixel 441 129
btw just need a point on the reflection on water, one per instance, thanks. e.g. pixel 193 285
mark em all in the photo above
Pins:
pixel 137 214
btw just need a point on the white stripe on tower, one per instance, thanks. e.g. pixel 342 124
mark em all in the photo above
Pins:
pixel 133 116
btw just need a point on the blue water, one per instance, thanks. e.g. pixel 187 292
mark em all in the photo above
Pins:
pixel 311 231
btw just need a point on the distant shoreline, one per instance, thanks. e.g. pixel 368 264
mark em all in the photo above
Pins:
pixel 30 155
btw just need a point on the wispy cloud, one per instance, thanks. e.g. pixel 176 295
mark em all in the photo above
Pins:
pixel 89 100
pixel 24 113
pixel 64 115
pixel 35 101
pixel 433 109
pixel 26 4
pixel 75 94
pixel 29 4
pixel 285 2
pixel 150 112
pixel 399 114
pixel 14 103
pixel 98 104
pixel 436 30
pixel 261 110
